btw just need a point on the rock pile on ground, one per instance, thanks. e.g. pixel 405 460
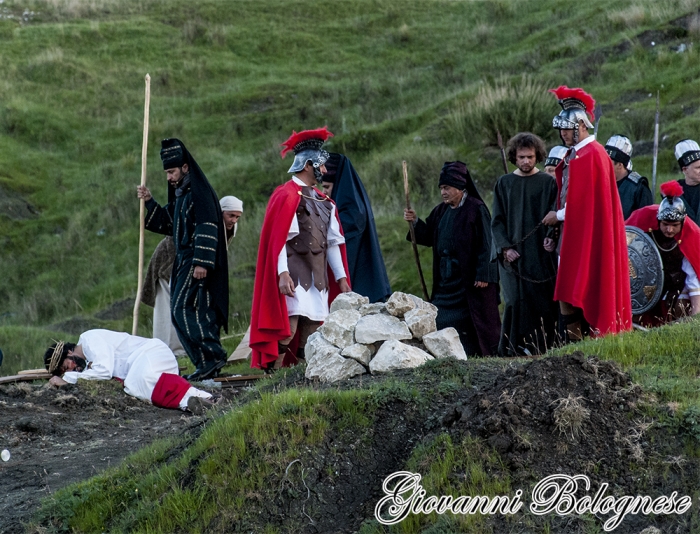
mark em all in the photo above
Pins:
pixel 359 337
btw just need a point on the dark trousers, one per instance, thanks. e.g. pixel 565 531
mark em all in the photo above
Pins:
pixel 195 320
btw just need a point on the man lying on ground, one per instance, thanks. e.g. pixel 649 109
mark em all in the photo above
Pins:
pixel 147 368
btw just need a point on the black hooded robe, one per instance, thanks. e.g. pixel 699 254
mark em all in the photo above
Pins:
pixel 199 307
pixel 530 314
pixel 461 242
pixel 365 260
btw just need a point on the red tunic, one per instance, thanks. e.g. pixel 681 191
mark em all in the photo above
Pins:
pixel 269 322
pixel 594 267
pixel 688 238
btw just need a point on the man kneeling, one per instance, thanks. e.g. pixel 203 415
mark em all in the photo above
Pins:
pixel 147 368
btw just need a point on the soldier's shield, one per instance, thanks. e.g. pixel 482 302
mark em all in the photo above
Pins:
pixel 646 270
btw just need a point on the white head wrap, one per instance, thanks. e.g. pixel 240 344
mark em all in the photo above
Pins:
pixel 231 203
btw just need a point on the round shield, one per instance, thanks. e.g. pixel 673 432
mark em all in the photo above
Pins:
pixel 646 270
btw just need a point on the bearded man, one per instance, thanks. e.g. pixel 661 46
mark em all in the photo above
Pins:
pixel 524 249
pixel 146 367
pixel 593 277
pixel 199 281
pixel 231 211
pixel 302 265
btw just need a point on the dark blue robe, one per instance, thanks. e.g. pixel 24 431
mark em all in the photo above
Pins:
pixel 368 275
pixel 634 193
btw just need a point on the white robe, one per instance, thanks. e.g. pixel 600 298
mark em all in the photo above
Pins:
pixel 138 361
pixel 163 328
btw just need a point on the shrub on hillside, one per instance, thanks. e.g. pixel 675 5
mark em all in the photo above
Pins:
pixel 508 106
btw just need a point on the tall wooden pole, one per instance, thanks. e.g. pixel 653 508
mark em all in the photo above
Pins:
pixel 656 149
pixel 413 235
pixel 142 205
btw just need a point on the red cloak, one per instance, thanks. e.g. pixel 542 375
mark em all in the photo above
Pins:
pixel 688 238
pixel 269 321
pixel 593 269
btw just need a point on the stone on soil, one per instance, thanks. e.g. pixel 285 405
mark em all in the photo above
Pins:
pixel 420 321
pixel 348 301
pixel 445 344
pixel 420 303
pixel 399 303
pixel 394 355
pixel 359 353
pixel 336 368
pixel 318 351
pixel 339 327
pixel 380 327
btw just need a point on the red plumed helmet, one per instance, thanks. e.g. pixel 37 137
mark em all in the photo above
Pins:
pixel 671 189
pixel 574 97
pixel 305 139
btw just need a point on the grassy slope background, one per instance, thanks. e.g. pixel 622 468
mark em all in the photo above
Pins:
pixel 423 81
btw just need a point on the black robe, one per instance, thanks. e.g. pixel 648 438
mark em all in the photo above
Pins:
pixel 530 314
pixel 691 198
pixel 367 270
pixel 634 193
pixel 461 257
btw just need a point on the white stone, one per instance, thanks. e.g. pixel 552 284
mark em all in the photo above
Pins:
pixel 337 368
pixel 399 303
pixel 317 352
pixel 445 344
pixel 395 355
pixel 420 303
pixel 339 327
pixel 420 321
pixel 360 353
pixel 372 308
pixel 348 301
pixel 380 327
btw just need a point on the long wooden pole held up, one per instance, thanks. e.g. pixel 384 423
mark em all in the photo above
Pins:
pixel 413 235
pixel 142 205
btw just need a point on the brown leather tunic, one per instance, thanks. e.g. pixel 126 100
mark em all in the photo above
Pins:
pixel 306 253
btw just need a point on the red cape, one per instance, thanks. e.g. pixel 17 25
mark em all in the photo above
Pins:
pixel 593 269
pixel 688 238
pixel 269 321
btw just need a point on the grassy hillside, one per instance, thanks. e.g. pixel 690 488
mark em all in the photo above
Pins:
pixel 422 81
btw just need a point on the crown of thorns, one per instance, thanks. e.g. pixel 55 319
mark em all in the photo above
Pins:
pixel 56 356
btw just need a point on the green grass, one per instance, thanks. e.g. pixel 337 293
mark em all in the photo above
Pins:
pixel 233 79
pixel 221 476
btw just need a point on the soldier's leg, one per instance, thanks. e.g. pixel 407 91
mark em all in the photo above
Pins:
pixel 306 328
pixel 283 345
pixel 572 319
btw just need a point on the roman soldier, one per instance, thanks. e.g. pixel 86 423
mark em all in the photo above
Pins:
pixel 633 188
pixel 592 280
pixel 677 238
pixel 688 156
pixel 555 156
pixel 302 265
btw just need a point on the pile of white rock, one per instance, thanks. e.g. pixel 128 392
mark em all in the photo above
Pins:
pixel 358 337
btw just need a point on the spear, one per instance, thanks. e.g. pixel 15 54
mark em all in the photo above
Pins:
pixel 503 151
pixel 656 148
pixel 412 231
pixel 142 206
pixel 597 114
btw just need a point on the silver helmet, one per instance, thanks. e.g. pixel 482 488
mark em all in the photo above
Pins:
pixel 687 151
pixel 555 156
pixel 308 148
pixel 672 208
pixel 576 104
pixel 619 148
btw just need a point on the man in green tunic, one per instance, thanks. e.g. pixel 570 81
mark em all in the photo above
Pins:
pixel 199 280
pixel 525 250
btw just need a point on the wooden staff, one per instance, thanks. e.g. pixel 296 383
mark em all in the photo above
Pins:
pixel 142 205
pixel 413 235
pixel 504 160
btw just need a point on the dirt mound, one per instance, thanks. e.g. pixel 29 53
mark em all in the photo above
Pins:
pixel 559 415
pixel 60 436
